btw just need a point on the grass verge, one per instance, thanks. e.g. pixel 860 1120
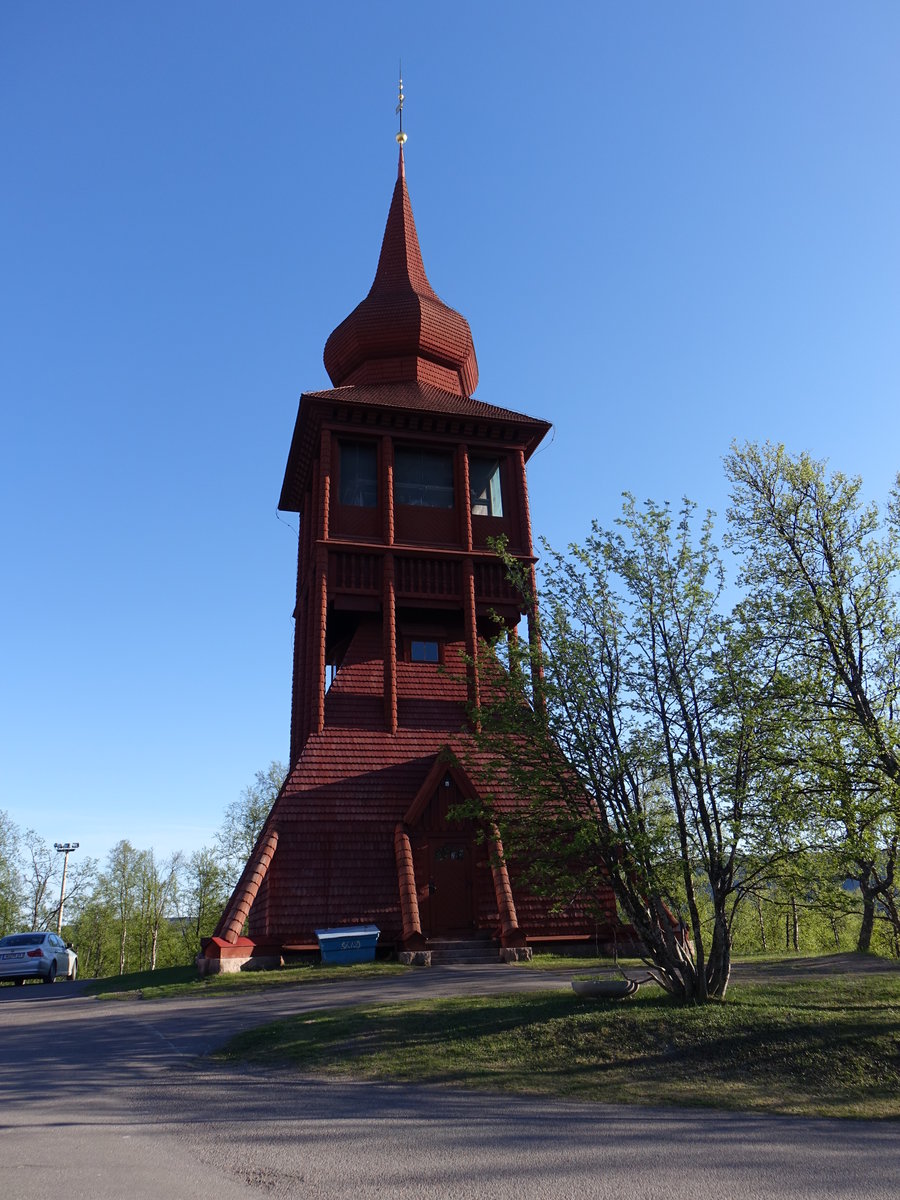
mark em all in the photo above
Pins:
pixel 173 982
pixel 545 961
pixel 825 1047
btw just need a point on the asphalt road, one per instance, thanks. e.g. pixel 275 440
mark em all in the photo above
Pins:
pixel 109 1100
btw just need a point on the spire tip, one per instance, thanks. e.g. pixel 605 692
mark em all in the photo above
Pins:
pixel 401 136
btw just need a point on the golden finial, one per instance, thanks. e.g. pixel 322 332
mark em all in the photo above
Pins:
pixel 401 136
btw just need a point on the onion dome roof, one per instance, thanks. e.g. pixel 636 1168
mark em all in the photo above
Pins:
pixel 402 331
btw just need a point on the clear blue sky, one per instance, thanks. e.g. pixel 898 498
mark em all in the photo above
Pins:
pixel 668 226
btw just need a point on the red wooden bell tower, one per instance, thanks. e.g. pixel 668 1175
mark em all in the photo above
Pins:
pixel 400 477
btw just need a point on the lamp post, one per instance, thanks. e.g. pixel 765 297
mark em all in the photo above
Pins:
pixel 64 848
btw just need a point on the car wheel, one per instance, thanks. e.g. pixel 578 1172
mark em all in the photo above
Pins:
pixel 51 974
pixel 71 975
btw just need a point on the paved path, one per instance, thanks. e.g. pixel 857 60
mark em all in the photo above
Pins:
pixel 108 1100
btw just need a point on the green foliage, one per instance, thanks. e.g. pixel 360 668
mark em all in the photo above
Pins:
pixel 138 913
pixel 739 770
pixel 824 1047
pixel 820 569
pixel 204 893
pixel 245 817
pixel 640 757
pixel 10 881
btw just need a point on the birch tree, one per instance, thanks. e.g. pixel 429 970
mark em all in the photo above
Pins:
pixel 640 758
pixel 821 568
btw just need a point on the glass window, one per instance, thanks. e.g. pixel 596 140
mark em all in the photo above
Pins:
pixel 423 478
pixel 453 853
pixel 484 487
pixel 424 651
pixel 359 474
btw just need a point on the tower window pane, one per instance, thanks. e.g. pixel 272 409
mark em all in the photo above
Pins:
pixel 423 478
pixel 484 486
pixel 359 474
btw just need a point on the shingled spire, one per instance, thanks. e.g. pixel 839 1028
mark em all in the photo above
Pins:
pixel 402 331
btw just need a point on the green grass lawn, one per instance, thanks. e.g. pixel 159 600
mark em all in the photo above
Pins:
pixel 574 962
pixel 169 982
pixel 828 1047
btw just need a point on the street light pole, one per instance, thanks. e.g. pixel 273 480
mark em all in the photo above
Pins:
pixel 64 848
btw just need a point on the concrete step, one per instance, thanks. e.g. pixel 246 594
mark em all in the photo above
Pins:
pixel 464 950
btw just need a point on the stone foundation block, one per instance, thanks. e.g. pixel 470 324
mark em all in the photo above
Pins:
pixel 231 965
pixel 510 954
pixel 415 958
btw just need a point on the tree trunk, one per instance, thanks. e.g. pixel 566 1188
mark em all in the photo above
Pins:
pixel 893 914
pixel 864 941
pixel 762 925
pixel 834 930
pixel 718 965
pixel 122 949
pixel 795 925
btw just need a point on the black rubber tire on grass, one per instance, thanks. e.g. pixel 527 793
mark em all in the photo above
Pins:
pixel 50 977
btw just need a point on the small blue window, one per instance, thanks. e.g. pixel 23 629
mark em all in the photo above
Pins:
pixel 420 651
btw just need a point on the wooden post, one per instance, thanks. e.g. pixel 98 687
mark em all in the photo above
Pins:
pixel 387 487
pixel 389 644
pixel 409 901
pixel 232 920
pixel 299 723
pixel 534 646
pixel 320 618
pixel 524 511
pixel 471 626
pixel 465 500
pixel 325 508
pixel 511 935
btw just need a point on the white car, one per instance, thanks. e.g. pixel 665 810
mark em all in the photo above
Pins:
pixel 42 956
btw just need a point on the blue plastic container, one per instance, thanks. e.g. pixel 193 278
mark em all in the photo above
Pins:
pixel 352 944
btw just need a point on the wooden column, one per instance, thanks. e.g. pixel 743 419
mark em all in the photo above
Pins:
pixel 325 484
pixel 471 627
pixel 524 511
pixel 298 683
pixel 232 920
pixel 465 500
pixel 389 595
pixel 389 643
pixel 534 621
pixel 409 901
pixel 319 600
pixel 534 645
pixel 387 487
pixel 314 517
pixel 309 658
pixel 299 724
pixel 511 935
pixel 303 542
pixel 309 646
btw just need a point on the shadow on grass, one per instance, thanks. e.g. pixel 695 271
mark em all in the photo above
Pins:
pixel 765 1054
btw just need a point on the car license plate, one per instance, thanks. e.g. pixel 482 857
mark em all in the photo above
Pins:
pixel 7 957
